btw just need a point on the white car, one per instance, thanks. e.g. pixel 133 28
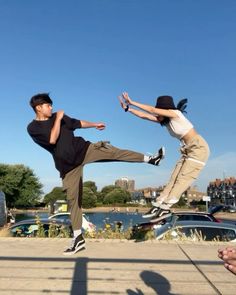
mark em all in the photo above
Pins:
pixel 194 230
pixel 86 225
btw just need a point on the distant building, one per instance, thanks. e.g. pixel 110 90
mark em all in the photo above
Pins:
pixel 222 191
pixel 192 194
pixel 126 184
pixel 150 193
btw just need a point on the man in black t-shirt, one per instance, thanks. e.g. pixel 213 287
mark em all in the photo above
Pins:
pixel 55 133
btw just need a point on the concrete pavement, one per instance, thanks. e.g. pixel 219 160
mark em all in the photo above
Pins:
pixel 37 266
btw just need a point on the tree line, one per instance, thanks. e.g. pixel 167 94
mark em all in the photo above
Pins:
pixel 23 189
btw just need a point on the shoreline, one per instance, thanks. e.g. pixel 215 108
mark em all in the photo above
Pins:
pixel 117 209
pixel 127 209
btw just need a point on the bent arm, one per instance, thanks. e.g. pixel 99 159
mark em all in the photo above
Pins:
pixel 55 132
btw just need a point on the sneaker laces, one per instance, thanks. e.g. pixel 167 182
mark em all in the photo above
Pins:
pixel 159 154
pixel 72 243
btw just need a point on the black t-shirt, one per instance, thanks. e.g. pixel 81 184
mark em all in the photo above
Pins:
pixel 69 150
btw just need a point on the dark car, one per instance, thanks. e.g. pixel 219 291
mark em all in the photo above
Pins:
pixel 223 208
pixel 181 216
pixel 3 209
pixel 87 226
pixel 196 230
pixel 30 227
pixel 229 208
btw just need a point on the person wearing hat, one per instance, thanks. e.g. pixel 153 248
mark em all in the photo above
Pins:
pixel 54 132
pixel 194 149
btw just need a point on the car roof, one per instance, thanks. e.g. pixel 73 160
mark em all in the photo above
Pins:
pixel 61 213
pixel 216 208
pixel 204 224
pixel 190 213
pixel 42 220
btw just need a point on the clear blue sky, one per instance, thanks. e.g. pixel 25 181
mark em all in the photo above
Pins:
pixel 85 53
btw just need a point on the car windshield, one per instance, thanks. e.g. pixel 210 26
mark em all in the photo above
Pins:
pixel 170 221
pixel 198 217
pixel 27 230
pixel 209 233
pixel 61 216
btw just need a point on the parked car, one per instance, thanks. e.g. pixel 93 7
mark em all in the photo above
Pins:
pixel 3 209
pixel 224 208
pixel 181 216
pixel 29 227
pixel 230 209
pixel 196 230
pixel 86 224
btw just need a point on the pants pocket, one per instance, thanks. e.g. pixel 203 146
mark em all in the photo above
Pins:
pixel 101 144
pixel 191 170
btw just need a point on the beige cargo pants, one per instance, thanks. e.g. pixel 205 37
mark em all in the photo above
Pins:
pixel 73 181
pixel 193 158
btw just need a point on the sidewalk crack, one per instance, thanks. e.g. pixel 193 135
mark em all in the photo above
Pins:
pixel 200 271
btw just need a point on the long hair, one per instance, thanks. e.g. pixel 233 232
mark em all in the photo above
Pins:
pixel 181 106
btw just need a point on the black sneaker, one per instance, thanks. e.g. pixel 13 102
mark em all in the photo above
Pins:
pixel 77 244
pixel 156 212
pixel 161 214
pixel 155 159
pixel 151 213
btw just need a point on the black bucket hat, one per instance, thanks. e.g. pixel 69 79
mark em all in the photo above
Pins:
pixel 165 102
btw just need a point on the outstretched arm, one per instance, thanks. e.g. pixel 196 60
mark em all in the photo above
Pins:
pixel 138 113
pixel 86 124
pixel 147 108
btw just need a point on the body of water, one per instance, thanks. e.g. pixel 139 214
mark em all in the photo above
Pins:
pixel 99 219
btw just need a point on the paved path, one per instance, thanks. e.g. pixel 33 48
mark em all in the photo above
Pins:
pixel 36 266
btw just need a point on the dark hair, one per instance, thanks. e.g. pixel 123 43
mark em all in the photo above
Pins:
pixel 40 98
pixel 166 102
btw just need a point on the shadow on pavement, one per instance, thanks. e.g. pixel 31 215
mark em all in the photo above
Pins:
pixel 79 284
pixel 157 282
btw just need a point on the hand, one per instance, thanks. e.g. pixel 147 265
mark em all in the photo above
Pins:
pixel 223 253
pixel 60 114
pixel 126 97
pixel 100 126
pixel 123 105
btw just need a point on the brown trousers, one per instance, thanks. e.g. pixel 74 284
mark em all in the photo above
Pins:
pixel 193 158
pixel 73 180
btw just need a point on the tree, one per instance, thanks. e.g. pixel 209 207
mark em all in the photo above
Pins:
pixel 20 185
pixel 117 196
pixel 91 185
pixel 106 190
pixel 56 194
pixel 89 198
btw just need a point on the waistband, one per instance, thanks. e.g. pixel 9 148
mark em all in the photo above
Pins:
pixel 195 137
pixel 196 161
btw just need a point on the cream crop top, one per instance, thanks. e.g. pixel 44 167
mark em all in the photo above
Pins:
pixel 179 126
